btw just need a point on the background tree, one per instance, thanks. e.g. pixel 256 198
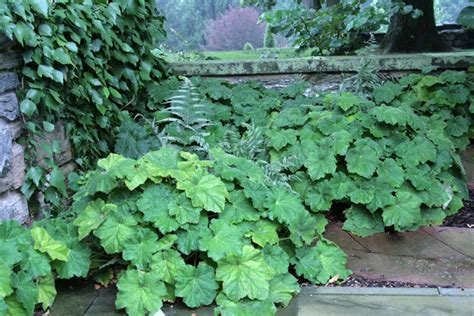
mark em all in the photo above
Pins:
pixel 269 38
pixel 232 29
pixel 408 34
pixel 186 20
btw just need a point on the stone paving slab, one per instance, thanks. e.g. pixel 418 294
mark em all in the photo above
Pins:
pixel 311 301
pixel 440 256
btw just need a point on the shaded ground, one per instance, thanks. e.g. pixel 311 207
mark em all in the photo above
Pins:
pixel 442 256
pixel 465 217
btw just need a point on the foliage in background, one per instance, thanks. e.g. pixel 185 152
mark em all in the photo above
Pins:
pixel 466 16
pixel 232 29
pixel 269 38
pixel 186 20
pixel 85 63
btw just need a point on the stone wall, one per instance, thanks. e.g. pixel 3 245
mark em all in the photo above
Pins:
pixel 13 204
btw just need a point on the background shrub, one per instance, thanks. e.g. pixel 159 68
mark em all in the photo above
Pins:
pixel 234 28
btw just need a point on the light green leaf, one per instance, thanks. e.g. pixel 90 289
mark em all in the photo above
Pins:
pixel 281 137
pixel 197 286
pixel 44 243
pixel 391 173
pixel 184 212
pixel 154 204
pixel 264 232
pixel 363 159
pixel 92 217
pixel 223 239
pixel 26 291
pixel 46 292
pixel 167 265
pixel 205 190
pixel 283 205
pixel 141 250
pixel 40 6
pixel 50 72
pixel 283 288
pixel 57 180
pixel 361 222
pixel 116 231
pixel 246 307
pixel 140 292
pixel 27 107
pixel 5 281
pixel 404 213
pixel 245 275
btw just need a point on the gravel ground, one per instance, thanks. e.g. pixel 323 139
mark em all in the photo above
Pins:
pixel 357 281
pixel 465 217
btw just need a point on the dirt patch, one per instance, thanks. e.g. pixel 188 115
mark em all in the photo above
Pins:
pixel 465 217
pixel 358 281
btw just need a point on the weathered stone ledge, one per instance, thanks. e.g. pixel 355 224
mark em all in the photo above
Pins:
pixel 461 60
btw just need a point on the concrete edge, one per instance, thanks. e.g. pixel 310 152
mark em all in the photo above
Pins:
pixel 375 291
pixel 333 64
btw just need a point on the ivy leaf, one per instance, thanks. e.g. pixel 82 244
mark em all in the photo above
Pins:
pixel 197 286
pixel 140 292
pixel 57 181
pixel 40 6
pixel 167 265
pixel 404 213
pixel 221 240
pixel 140 251
pixel 205 190
pixel 363 159
pixel 154 204
pixel 44 243
pixel 27 107
pixel 115 232
pixel 50 72
pixel 282 289
pixel 361 222
pixel 245 275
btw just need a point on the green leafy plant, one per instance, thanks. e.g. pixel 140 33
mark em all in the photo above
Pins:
pixel 31 259
pixel 202 231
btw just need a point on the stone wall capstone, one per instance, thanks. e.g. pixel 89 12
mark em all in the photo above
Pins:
pixel 13 204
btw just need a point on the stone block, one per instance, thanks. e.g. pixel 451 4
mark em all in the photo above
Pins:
pixel 9 108
pixel 16 129
pixel 16 175
pixel 13 206
pixel 58 135
pixel 8 82
pixel 5 149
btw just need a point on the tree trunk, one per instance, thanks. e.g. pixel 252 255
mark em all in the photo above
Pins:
pixel 408 35
pixel 312 4
pixel 332 2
